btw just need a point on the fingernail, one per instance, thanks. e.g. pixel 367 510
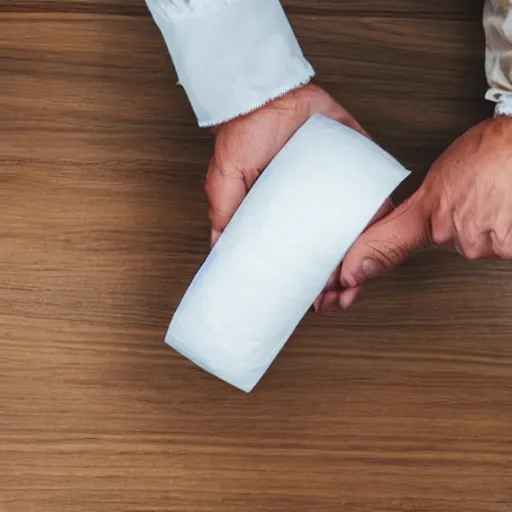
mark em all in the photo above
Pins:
pixel 372 268
pixel 316 304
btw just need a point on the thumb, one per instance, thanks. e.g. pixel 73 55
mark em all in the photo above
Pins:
pixel 225 189
pixel 386 244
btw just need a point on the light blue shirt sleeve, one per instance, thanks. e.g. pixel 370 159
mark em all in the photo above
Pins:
pixel 231 56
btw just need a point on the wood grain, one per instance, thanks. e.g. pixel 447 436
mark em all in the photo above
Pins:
pixel 403 404
pixel 393 8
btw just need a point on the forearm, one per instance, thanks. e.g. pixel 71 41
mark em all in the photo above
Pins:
pixel 231 56
pixel 498 57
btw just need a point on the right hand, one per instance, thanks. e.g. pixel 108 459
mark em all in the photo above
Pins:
pixel 464 202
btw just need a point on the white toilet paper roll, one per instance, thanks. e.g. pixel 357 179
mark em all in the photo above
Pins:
pixel 292 230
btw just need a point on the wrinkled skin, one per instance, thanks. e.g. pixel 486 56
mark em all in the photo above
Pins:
pixel 465 202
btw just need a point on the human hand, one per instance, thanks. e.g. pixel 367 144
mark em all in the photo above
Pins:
pixel 465 202
pixel 246 145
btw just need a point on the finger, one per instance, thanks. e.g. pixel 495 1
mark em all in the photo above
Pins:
pixel 214 236
pixel 333 284
pixel 501 245
pixel 225 191
pixel 348 297
pixel 386 244
pixel 479 247
pixel 335 111
pixel 338 113
pixel 345 298
pixel 330 301
pixel 384 210
pixel 331 108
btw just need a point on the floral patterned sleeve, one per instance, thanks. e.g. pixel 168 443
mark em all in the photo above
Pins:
pixel 498 55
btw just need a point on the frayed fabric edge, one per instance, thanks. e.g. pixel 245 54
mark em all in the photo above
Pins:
pixel 504 108
pixel 175 12
pixel 279 93
pixel 503 100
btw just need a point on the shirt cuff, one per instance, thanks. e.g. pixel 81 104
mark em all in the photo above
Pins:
pixel 503 101
pixel 231 56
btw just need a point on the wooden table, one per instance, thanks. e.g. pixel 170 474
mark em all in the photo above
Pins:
pixel 402 404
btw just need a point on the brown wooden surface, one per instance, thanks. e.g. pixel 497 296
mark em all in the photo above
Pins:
pixel 403 404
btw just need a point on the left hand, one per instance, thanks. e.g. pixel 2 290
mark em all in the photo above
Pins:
pixel 465 202
pixel 245 146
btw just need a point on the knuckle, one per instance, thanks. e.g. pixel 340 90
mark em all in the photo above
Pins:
pixel 216 213
pixel 390 253
pixel 503 250
pixel 472 252
pixel 349 280
pixel 441 236
pixel 442 224
pixel 472 248
pixel 474 245
pixel 347 273
pixel 502 244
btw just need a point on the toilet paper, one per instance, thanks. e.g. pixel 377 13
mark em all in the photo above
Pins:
pixel 277 253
